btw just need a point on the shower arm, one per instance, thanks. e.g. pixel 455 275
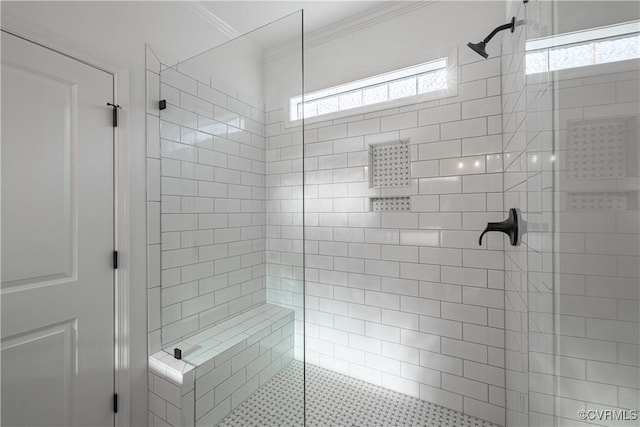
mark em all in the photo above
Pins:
pixel 510 26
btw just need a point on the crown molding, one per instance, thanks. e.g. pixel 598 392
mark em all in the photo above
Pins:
pixel 386 11
pixel 213 20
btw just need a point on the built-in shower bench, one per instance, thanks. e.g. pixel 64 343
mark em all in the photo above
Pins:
pixel 221 366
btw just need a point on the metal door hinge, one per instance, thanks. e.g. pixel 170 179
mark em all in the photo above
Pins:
pixel 115 260
pixel 115 403
pixel 115 113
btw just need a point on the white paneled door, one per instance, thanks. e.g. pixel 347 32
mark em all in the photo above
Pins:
pixel 57 293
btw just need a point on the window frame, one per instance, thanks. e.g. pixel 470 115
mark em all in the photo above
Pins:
pixel 585 37
pixel 397 73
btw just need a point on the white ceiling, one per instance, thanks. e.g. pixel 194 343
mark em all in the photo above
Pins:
pixel 245 16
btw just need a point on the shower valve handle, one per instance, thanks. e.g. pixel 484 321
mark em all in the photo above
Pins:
pixel 509 227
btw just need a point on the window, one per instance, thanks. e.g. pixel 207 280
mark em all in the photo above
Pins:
pixel 404 83
pixel 596 46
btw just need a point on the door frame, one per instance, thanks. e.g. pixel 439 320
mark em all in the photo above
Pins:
pixel 121 225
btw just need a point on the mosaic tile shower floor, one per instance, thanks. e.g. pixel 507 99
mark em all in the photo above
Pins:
pixel 334 399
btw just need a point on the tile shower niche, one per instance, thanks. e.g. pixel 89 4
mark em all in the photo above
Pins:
pixel 389 168
pixel 600 161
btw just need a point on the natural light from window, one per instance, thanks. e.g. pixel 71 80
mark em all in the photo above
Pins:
pixel 583 48
pixel 406 82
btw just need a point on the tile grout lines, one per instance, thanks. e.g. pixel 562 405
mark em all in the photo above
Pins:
pixel 334 399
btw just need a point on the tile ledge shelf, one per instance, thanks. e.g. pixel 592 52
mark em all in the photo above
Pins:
pixel 246 339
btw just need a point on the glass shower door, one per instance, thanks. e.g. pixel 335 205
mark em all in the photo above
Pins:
pixel 572 288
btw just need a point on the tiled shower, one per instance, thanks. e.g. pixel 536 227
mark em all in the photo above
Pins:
pixel 291 255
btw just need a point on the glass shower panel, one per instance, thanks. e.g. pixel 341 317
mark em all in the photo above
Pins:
pixel 539 158
pixel 231 228
pixel 526 141
pixel 595 226
pixel 571 288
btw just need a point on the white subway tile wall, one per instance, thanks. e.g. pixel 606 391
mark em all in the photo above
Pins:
pixel 405 300
pixel 210 181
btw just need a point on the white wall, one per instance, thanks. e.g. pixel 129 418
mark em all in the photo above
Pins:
pixel 115 33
